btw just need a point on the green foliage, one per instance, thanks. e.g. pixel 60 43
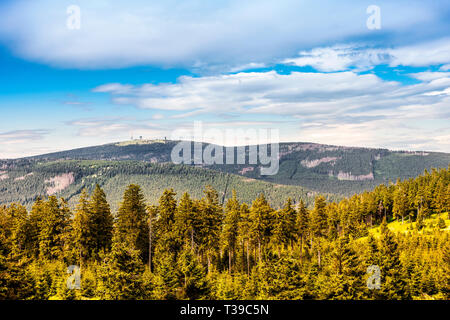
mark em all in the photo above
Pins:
pixel 120 274
pixel 131 225
pixel 201 249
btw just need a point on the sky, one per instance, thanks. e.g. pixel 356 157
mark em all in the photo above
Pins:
pixel 356 73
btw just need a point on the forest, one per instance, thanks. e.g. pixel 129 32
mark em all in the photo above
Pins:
pixel 198 248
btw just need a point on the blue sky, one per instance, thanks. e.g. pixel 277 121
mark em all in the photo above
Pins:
pixel 312 69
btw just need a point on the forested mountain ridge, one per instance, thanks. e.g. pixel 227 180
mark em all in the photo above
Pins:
pixel 321 168
pixel 28 179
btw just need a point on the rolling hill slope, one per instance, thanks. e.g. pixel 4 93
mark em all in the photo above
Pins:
pixel 322 168
pixel 305 169
pixel 26 180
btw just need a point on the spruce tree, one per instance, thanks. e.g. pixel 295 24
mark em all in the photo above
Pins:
pixel 302 223
pixel 35 223
pixel 260 226
pixel 244 236
pixel 101 221
pixel 347 273
pixel 131 225
pixel 195 285
pixel 186 220
pixel 81 228
pixel 229 233
pixel 211 216
pixel 393 285
pixel 120 274
pixel 319 226
pixel 168 239
pixel 54 223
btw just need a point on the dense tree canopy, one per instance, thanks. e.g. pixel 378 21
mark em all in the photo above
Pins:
pixel 201 249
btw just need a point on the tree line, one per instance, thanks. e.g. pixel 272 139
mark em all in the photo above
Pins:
pixel 201 249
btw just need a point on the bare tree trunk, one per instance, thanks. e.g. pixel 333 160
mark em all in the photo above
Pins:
pixel 259 250
pixel 209 262
pixel 318 257
pixel 301 247
pixel 248 259
pixel 150 245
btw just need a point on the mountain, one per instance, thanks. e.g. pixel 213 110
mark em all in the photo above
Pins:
pixel 304 170
pixel 321 168
pixel 24 180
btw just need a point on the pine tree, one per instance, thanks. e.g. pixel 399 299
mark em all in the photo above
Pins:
pixel 19 229
pixel 302 223
pixel 319 225
pixel 81 228
pixel 186 220
pixel 152 215
pixel 120 275
pixel 230 228
pixel 393 285
pixel 131 225
pixel 319 218
pixel 54 223
pixel 260 215
pixel 244 236
pixel 347 273
pixel 211 216
pixel 280 278
pixel 167 276
pixel 283 224
pixel 195 285
pixel 168 240
pixel 400 206
pixel 15 282
pixel 35 223
pixel 101 221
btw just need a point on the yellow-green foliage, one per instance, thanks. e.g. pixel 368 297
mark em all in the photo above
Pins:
pixel 203 249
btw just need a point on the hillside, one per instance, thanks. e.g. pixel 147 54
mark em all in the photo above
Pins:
pixel 321 168
pixel 341 250
pixel 24 180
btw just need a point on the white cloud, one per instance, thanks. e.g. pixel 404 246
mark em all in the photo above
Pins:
pixel 345 107
pixel 158 116
pixel 369 134
pixel 345 57
pixel 422 54
pixel 119 128
pixel 114 87
pixel 194 33
pixel 429 75
pixel 253 92
pixel 22 136
pixel 12 142
pixel 339 58
pixel 248 66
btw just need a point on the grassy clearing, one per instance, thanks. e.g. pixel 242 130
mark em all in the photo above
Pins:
pixel 430 224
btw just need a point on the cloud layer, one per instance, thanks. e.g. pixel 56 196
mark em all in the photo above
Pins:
pixel 201 34
pixel 340 107
pixel 327 87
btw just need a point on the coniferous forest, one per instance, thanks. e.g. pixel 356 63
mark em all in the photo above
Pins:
pixel 203 249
